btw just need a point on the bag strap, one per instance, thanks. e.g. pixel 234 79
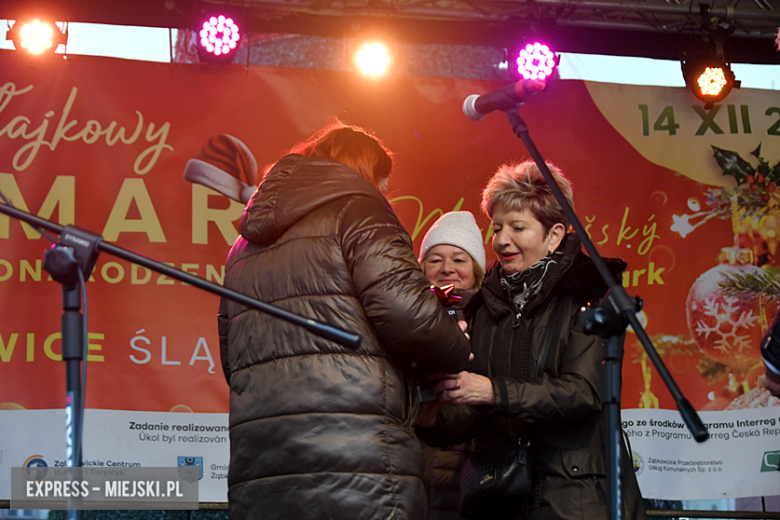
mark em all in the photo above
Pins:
pixel 552 326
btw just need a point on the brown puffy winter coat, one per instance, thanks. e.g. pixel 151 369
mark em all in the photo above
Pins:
pixel 319 430
pixel 442 479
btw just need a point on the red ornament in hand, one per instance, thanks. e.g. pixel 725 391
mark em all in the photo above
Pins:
pixel 446 295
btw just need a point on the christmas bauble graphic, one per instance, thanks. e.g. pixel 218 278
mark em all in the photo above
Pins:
pixel 727 328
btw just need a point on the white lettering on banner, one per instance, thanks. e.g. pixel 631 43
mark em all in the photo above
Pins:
pixel 742 442
pixel 147 355
pixel 201 352
pixel 90 132
pixel 205 357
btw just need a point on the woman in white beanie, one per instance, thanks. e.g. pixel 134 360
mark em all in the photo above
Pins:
pixel 452 252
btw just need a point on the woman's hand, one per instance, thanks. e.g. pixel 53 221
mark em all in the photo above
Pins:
pixel 463 388
pixel 428 411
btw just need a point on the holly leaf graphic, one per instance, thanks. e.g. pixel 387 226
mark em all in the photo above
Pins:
pixel 764 169
pixel 732 164
pixel 774 173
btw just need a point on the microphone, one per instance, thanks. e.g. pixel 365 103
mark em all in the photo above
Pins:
pixel 476 107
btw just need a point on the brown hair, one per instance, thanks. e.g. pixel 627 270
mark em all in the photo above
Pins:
pixel 521 187
pixel 351 146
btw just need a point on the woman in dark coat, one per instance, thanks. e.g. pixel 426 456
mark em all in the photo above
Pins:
pixel 451 253
pixel 319 430
pixel 515 388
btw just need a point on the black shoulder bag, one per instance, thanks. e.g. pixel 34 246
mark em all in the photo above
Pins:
pixel 499 474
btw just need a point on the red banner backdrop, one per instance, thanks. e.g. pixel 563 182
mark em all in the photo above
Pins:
pixel 103 144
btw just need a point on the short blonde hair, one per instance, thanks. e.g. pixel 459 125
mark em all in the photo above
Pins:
pixel 479 274
pixel 522 187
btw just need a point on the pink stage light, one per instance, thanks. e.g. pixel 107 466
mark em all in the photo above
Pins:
pixel 219 35
pixel 535 61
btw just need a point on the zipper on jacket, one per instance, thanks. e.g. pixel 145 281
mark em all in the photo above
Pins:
pixel 525 350
pixel 490 351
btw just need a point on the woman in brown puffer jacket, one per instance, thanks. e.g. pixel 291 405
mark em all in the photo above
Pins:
pixel 319 430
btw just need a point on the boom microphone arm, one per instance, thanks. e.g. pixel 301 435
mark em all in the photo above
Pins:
pixel 70 263
pixel 326 331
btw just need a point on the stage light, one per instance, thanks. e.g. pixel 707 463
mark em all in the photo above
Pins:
pixel 709 79
pixel 218 38
pixel 712 81
pixel 536 61
pixel 36 36
pixel 372 59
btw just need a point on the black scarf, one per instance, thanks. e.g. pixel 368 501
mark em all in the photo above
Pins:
pixel 524 285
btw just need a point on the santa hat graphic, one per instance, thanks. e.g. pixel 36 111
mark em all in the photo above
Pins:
pixel 226 165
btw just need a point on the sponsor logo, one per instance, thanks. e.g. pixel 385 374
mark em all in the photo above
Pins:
pixel 35 467
pixel 190 468
pixel 770 461
pixel 637 462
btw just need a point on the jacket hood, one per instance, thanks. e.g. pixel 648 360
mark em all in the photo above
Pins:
pixel 576 275
pixel 295 187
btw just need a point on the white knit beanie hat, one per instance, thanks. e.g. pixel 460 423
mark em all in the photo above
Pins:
pixel 456 228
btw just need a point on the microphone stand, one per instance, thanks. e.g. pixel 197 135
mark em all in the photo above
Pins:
pixel 70 262
pixel 609 321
